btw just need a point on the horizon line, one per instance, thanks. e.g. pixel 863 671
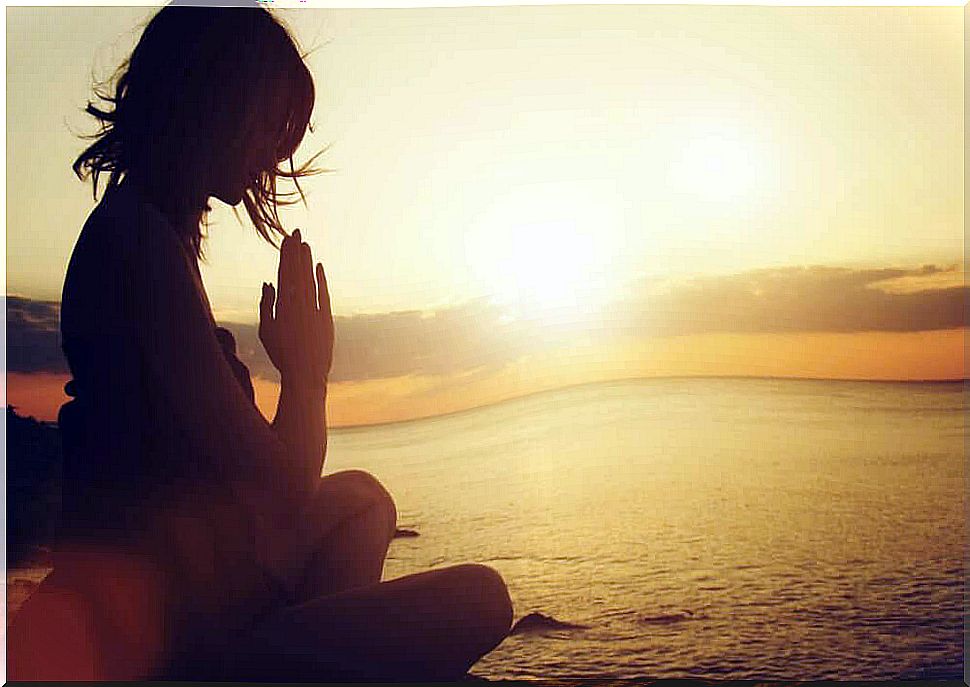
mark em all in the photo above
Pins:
pixel 530 394
pixel 614 380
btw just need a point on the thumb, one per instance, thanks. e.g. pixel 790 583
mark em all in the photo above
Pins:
pixel 266 302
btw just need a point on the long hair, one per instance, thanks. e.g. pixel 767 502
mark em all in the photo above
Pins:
pixel 202 81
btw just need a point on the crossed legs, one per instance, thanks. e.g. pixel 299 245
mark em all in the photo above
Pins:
pixel 100 615
pixel 348 625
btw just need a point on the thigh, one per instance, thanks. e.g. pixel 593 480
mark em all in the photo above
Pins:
pixel 428 626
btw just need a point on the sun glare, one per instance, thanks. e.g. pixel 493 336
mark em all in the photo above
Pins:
pixel 550 266
pixel 714 166
pixel 545 260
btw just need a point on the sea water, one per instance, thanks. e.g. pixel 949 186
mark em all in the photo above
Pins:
pixel 718 528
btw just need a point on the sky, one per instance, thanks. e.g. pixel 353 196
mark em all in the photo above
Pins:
pixel 527 197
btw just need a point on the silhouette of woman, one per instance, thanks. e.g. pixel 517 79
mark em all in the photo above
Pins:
pixel 198 540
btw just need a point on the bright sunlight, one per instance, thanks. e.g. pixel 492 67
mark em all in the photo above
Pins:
pixel 716 166
pixel 546 251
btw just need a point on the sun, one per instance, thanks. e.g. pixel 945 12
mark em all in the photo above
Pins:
pixel 551 266
pixel 545 260
pixel 717 166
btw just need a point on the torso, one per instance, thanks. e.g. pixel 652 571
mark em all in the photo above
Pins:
pixel 132 478
pixel 122 443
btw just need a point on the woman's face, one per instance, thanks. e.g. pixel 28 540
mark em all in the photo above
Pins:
pixel 240 164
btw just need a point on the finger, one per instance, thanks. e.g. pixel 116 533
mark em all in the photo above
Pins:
pixel 323 295
pixel 288 275
pixel 283 269
pixel 266 318
pixel 306 274
pixel 266 303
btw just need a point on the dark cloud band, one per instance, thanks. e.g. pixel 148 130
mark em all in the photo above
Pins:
pixel 479 335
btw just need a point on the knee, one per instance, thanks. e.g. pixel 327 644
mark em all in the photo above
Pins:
pixel 489 596
pixel 369 493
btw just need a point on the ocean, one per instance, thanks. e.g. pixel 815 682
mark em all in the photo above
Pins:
pixel 751 529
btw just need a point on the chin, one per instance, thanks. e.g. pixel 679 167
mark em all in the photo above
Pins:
pixel 231 199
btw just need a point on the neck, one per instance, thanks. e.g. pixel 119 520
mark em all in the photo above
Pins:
pixel 185 216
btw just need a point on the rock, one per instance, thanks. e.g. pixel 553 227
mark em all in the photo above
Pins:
pixel 666 618
pixel 538 622
pixel 400 532
pixel 34 473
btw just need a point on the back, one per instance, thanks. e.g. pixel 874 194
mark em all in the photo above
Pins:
pixel 122 443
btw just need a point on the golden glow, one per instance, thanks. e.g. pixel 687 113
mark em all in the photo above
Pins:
pixel 717 165
pixel 36 395
pixel 544 250
pixel 872 355
pixel 551 158
pixel 689 141
pixel 549 266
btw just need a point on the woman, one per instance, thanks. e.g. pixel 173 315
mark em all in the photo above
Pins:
pixel 199 541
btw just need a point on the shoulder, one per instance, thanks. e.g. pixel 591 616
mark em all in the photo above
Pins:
pixel 128 267
pixel 97 282
pixel 125 229
pixel 125 246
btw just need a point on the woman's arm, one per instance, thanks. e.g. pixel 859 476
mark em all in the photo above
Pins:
pixel 176 335
pixel 174 330
pixel 301 423
pixel 298 337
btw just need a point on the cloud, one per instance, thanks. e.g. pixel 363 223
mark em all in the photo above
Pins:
pixel 804 299
pixel 33 336
pixel 479 336
pixel 462 338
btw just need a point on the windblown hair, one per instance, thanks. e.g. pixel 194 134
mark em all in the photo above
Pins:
pixel 203 80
